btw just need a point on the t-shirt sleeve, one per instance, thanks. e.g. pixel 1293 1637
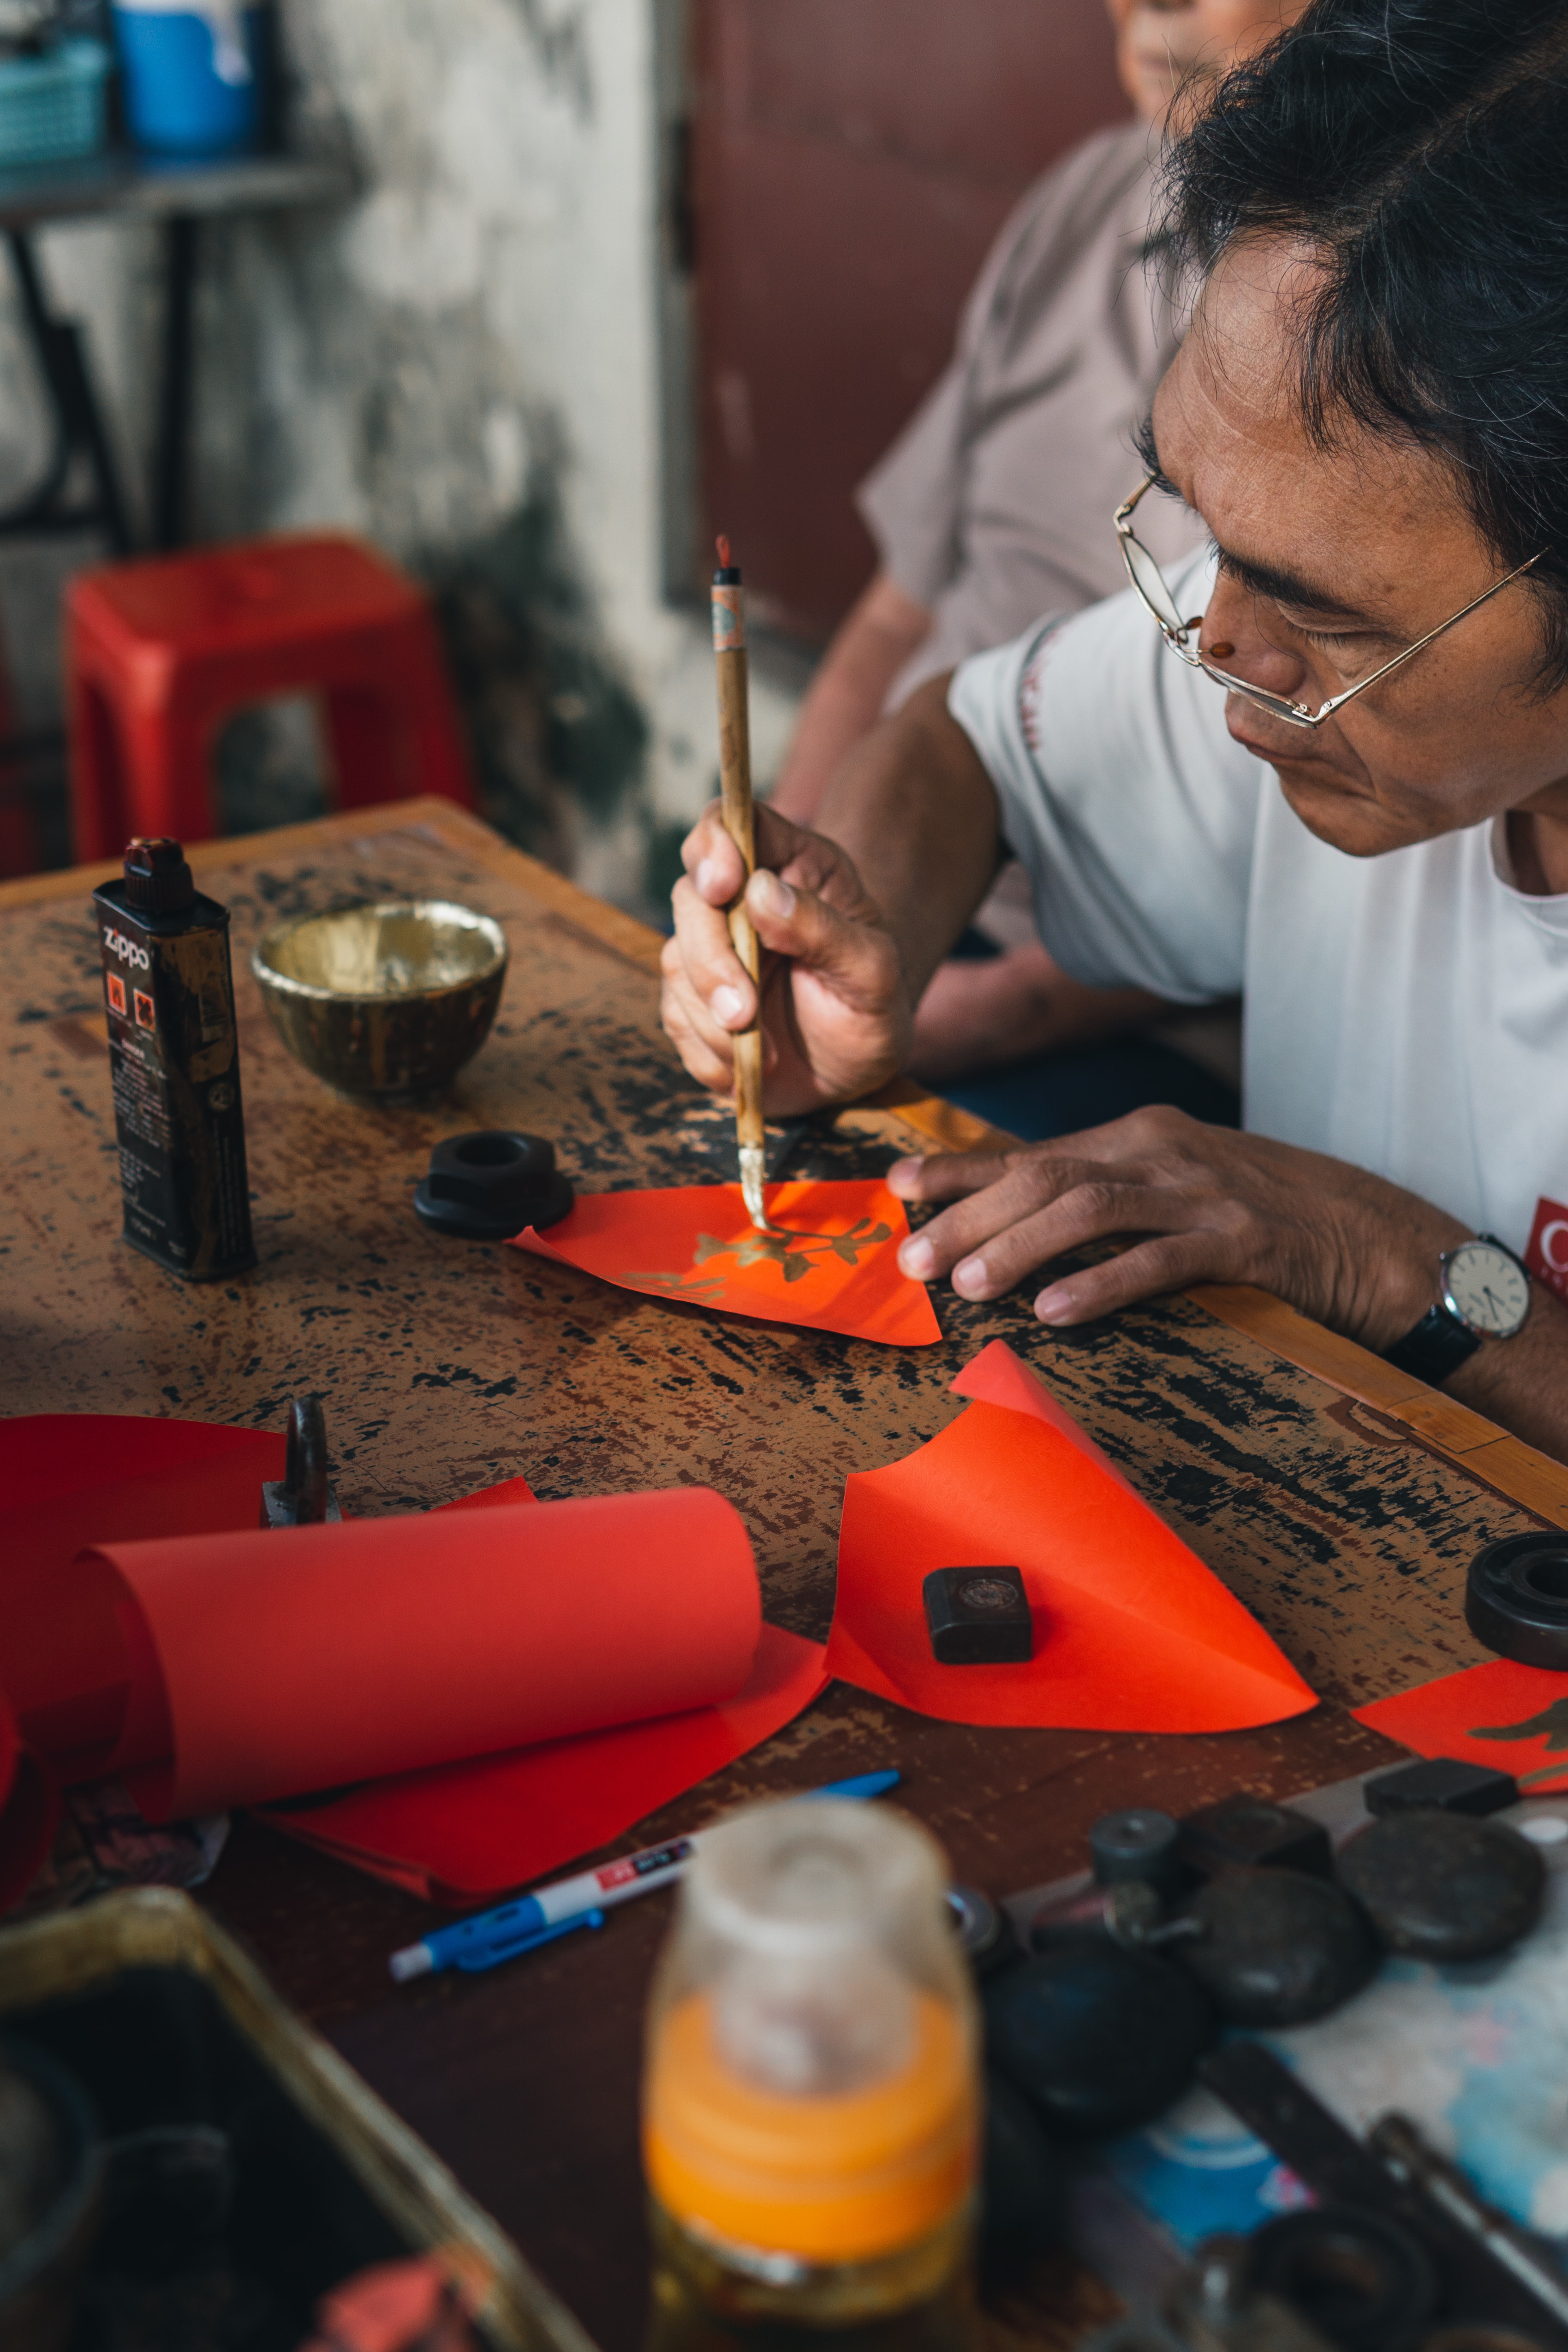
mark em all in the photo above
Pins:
pixel 1128 802
pixel 911 503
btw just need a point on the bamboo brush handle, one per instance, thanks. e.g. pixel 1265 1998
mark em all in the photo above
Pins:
pixel 735 784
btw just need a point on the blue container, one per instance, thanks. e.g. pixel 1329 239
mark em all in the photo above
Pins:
pixel 192 74
pixel 51 108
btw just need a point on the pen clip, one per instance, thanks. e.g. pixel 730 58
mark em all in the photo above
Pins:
pixel 488 1956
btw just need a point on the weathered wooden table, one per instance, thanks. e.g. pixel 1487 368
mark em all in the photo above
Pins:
pixel 1340 1500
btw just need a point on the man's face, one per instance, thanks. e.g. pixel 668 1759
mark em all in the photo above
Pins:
pixel 1331 561
pixel 1164 44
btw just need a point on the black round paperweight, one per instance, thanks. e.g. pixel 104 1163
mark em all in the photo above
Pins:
pixel 487 1186
pixel 1276 1947
pixel 1095 2037
pixel 1444 1887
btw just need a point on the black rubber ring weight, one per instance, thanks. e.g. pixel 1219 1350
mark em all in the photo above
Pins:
pixel 1516 1599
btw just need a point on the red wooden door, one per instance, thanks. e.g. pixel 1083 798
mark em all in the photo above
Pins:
pixel 850 162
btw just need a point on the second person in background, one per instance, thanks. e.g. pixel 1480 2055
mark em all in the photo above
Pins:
pixel 991 510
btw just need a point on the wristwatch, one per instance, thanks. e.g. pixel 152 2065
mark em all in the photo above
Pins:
pixel 1485 1295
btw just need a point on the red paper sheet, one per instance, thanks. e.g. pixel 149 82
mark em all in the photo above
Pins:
pixel 1514 1718
pixel 458 1833
pixel 67 1480
pixel 832 1262
pixel 466 1834
pixel 70 1479
pixel 470 1833
pixel 1132 1632
pixel 261 1666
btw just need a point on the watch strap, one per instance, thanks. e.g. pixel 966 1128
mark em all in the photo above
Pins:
pixel 1436 1348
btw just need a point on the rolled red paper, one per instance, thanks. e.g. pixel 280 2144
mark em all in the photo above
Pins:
pixel 220 1670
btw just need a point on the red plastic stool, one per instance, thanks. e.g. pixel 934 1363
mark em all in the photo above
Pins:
pixel 157 654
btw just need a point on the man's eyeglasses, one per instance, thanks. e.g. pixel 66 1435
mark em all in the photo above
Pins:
pixel 1182 635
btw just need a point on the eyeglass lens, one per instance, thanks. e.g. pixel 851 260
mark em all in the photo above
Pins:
pixel 1150 581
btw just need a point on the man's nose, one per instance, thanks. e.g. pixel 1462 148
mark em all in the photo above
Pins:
pixel 1231 638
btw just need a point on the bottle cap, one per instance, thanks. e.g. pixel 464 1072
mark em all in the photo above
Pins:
pixel 811 2082
pixel 157 879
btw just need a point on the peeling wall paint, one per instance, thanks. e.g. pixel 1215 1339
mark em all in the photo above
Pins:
pixel 463 362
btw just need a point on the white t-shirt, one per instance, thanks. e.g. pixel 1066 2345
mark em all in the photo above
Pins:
pixel 1408 1013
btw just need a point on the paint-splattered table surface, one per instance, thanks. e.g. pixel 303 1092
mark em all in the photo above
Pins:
pixel 1340 1501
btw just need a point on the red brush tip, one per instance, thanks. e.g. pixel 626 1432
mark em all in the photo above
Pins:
pixel 723 546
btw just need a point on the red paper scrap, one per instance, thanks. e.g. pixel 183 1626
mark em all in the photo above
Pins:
pixel 468 1834
pixel 1132 1632
pixel 829 1259
pixel 510 1490
pixel 1514 1717
pixel 998 1376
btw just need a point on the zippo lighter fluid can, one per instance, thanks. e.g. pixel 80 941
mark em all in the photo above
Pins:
pixel 175 1058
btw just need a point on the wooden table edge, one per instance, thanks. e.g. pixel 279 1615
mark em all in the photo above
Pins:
pixel 1500 1460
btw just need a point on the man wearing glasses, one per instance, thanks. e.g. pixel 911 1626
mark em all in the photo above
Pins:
pixel 1346 795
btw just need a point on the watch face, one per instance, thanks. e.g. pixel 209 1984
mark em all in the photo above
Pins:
pixel 1486 1288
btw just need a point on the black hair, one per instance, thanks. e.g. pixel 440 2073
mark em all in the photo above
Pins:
pixel 1421 147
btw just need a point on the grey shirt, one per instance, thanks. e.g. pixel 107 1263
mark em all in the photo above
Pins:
pixel 994 506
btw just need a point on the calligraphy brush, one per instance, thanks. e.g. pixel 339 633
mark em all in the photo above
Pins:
pixel 735 783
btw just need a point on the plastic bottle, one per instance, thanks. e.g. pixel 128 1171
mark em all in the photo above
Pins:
pixel 811 2102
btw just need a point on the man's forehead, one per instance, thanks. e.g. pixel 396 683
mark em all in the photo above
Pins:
pixel 1351 521
pixel 1229 419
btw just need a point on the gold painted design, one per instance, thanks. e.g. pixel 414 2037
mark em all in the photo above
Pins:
pixel 796 1254
pixel 1551 1725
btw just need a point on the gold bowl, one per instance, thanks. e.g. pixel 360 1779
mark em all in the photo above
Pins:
pixel 384 1002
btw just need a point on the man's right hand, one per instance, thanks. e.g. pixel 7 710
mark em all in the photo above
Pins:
pixel 837 1019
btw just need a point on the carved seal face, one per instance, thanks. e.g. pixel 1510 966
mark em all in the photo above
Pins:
pixel 986 1592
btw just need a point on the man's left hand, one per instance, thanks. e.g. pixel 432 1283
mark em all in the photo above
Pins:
pixel 1206 1203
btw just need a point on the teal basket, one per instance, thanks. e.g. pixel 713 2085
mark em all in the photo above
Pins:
pixel 52 107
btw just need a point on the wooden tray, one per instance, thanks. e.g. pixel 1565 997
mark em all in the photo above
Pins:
pixel 164 2020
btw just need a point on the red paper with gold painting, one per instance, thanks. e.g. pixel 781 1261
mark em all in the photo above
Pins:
pixel 829 1258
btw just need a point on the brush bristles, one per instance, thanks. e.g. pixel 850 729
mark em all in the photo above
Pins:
pixel 752 1174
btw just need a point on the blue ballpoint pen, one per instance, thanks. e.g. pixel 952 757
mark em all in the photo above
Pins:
pixel 509 1944
pixel 491 1936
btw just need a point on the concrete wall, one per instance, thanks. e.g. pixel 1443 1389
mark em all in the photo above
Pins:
pixel 479 362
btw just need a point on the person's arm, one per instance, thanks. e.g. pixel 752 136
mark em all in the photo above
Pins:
pixel 976 1015
pixel 1205 1205
pixel 846 695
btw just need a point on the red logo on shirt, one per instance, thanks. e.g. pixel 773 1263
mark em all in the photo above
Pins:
pixel 1547 1256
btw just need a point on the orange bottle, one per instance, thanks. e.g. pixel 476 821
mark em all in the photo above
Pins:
pixel 811 2104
